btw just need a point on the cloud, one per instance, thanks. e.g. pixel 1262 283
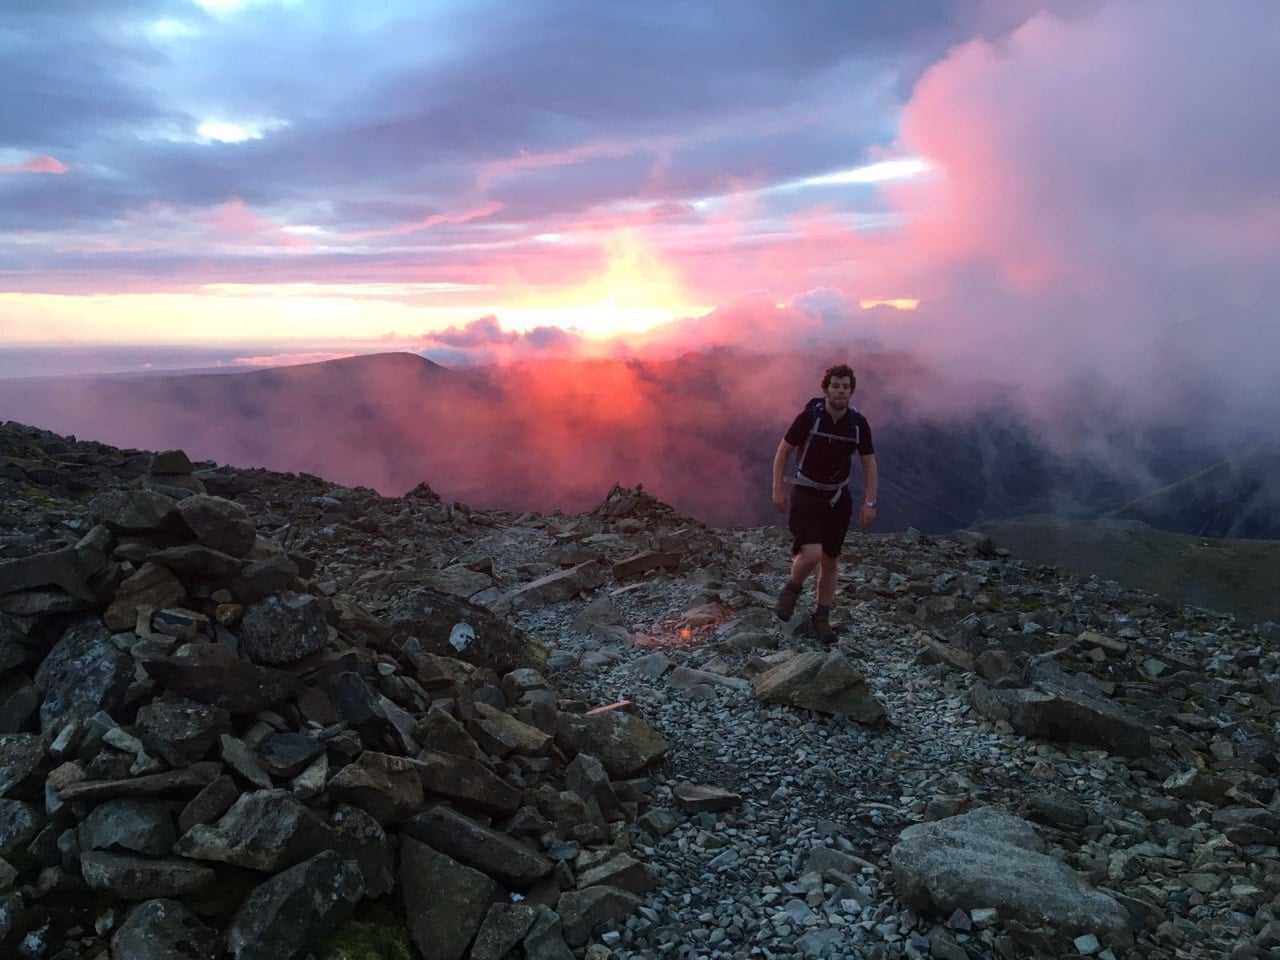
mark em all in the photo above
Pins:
pixel 443 133
pixel 41 164
pixel 485 341
pixel 1105 220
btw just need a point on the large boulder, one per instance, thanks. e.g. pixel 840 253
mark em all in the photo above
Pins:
pixel 164 930
pixel 1060 714
pixel 221 524
pixel 296 908
pixel 444 901
pixel 552 588
pixel 824 682
pixel 283 628
pixel 84 672
pixel 449 626
pixel 623 742
pixel 266 830
pixel 475 845
pixel 990 858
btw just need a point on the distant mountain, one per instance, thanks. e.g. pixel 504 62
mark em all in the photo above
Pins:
pixel 698 431
pixel 1237 576
pixel 1233 498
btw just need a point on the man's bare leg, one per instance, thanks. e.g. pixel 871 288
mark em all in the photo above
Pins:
pixel 804 563
pixel 810 556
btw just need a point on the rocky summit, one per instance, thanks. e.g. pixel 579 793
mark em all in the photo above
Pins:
pixel 257 715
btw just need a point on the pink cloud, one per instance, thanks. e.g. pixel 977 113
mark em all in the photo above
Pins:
pixel 1106 195
pixel 40 164
pixel 234 220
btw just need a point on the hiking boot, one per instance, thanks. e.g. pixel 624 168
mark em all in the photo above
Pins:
pixel 821 623
pixel 785 608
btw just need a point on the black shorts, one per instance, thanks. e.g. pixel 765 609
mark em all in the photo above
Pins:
pixel 815 520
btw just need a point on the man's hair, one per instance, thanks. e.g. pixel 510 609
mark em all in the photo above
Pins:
pixel 839 370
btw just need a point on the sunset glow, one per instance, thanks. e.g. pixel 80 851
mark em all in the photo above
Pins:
pixel 485 183
pixel 636 291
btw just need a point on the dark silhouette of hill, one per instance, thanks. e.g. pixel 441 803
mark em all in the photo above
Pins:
pixel 698 431
pixel 1237 576
pixel 1239 497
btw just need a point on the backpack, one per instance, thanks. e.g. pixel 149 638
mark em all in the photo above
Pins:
pixel 815 407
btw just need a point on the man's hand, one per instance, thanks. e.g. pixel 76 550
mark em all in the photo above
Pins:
pixel 780 497
pixel 867 517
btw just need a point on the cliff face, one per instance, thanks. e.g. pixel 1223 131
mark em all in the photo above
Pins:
pixel 257 714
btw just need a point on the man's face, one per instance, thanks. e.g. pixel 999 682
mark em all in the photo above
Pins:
pixel 839 390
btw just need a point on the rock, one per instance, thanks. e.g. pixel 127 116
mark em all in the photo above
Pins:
pixel 389 788
pixel 19 824
pixel 582 910
pixel 69 568
pixel 209 674
pixel 624 743
pixel 641 563
pixel 1244 826
pixel 499 734
pixel 197 562
pixel 82 674
pixel 989 858
pixel 283 628
pixel 621 872
pixel 561 585
pixel 501 857
pixel 288 754
pixel 21 755
pixel 682 678
pixel 931 651
pixel 444 901
pixel 505 925
pixel 130 826
pixel 461 581
pixel 494 642
pixel 827 683
pixel 1059 810
pixel 164 930
pixel 219 524
pixel 185 782
pixel 171 462
pixel 1193 784
pixel 136 511
pixel 586 776
pixel 295 909
pixel 694 796
pixel 180 730
pixel 358 837
pixel 466 782
pixel 261 578
pixel 209 804
pixel 132 877
pixel 1064 716
pixel 545 939
pixel 266 830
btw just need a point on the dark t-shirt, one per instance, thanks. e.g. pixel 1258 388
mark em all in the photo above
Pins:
pixel 827 460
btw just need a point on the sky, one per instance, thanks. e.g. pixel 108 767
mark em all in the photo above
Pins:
pixel 1068 196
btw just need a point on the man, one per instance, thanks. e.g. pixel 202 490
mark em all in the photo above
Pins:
pixel 829 433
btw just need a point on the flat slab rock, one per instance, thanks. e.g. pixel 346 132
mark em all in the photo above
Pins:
pixel 827 683
pixel 990 858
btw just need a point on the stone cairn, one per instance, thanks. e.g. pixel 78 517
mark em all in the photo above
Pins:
pixel 202 756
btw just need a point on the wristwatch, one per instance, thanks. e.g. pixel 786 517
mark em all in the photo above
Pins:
pixel 870 503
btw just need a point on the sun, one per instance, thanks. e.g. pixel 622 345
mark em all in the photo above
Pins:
pixel 635 292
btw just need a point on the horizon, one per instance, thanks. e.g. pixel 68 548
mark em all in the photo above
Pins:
pixel 1055 193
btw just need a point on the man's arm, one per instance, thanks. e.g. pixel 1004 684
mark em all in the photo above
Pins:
pixel 871 486
pixel 780 459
